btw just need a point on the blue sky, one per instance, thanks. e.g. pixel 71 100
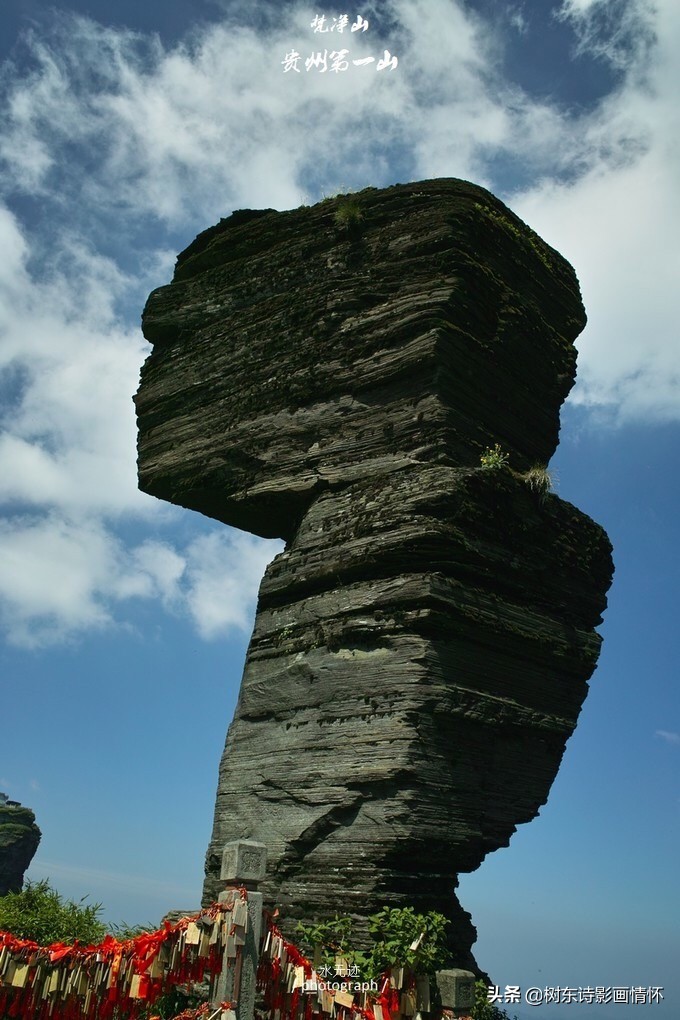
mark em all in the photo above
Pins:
pixel 124 130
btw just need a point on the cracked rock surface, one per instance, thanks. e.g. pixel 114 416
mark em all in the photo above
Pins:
pixel 422 646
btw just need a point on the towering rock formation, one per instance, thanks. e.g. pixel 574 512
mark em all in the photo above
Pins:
pixel 19 838
pixel 332 376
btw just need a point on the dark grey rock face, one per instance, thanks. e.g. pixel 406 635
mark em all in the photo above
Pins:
pixel 422 647
pixel 19 839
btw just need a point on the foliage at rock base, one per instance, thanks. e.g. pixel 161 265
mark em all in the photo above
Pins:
pixel 40 913
pixel 402 938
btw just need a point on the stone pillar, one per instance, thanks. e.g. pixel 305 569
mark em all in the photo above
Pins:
pixel 244 863
pixel 378 402
pixel 457 990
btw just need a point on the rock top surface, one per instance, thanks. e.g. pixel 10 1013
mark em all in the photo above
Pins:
pixel 332 376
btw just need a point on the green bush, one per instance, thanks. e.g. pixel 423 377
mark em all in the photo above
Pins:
pixel 333 936
pixel 39 913
pixel 394 932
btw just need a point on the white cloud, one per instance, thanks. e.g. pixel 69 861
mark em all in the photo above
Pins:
pixel 616 222
pixel 193 130
pixel 517 18
pixel 62 578
pixel 618 31
pixel 668 736
pixel 58 577
pixel 15 250
pixel 164 567
pixel 67 465
pixel 111 136
pixel 69 369
pixel 218 570
pixel 215 124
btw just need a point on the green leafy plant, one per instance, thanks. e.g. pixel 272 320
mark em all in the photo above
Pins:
pixel 333 936
pixel 395 932
pixel 539 481
pixel 493 458
pixel 40 913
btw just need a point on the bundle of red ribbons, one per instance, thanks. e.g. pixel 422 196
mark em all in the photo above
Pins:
pixel 292 990
pixel 74 982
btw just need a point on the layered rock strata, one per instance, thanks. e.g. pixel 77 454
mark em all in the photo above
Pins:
pixel 332 376
pixel 19 839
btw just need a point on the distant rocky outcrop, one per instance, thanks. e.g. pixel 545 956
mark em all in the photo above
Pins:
pixel 333 376
pixel 19 838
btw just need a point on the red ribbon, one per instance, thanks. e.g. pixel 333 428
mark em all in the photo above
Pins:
pixel 270 980
pixel 121 957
